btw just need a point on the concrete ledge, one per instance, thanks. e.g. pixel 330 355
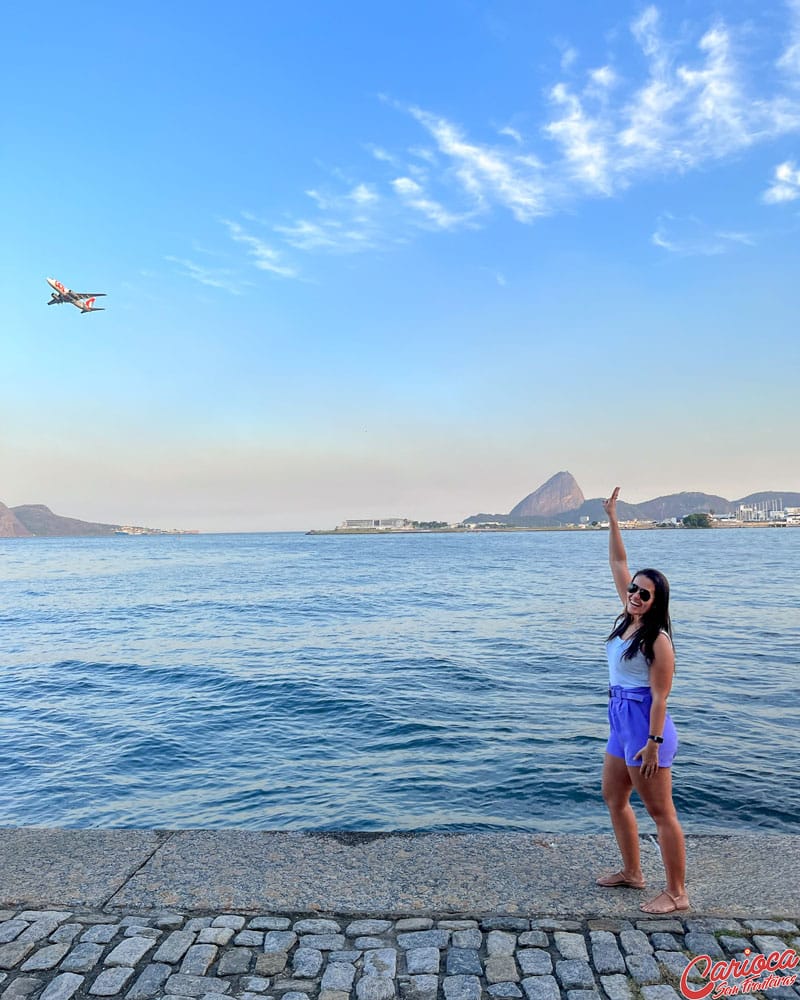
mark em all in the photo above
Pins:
pixel 70 867
pixel 393 873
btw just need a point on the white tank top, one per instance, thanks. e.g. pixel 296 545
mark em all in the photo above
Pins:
pixel 633 673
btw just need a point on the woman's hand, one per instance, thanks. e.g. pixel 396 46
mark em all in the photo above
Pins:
pixel 610 505
pixel 649 757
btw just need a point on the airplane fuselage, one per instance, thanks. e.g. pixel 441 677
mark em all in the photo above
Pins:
pixel 81 300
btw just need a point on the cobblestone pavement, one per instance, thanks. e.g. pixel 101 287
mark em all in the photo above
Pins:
pixel 63 955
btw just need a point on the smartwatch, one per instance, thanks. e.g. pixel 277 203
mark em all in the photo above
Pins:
pixel 656 739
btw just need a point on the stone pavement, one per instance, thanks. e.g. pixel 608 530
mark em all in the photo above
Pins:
pixel 63 955
pixel 241 915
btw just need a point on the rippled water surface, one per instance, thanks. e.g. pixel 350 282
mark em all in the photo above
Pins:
pixel 285 681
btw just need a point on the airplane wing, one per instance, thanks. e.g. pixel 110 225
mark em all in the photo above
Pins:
pixel 88 295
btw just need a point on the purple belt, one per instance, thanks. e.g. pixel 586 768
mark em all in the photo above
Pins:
pixel 631 694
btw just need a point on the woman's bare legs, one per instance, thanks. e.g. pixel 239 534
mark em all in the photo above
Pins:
pixel 617 788
pixel 656 793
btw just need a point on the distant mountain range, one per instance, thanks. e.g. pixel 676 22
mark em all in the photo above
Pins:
pixel 561 501
pixel 558 501
pixel 35 520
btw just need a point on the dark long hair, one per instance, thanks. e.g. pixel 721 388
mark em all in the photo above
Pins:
pixel 655 620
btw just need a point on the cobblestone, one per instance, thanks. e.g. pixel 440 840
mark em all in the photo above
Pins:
pixel 462 961
pixel 703 943
pixel 100 933
pixel 504 990
pixel 11 929
pixel 468 938
pixel 129 952
pixel 571 945
pixel 229 956
pixel 644 969
pixel 23 987
pixel 616 987
pixel 500 943
pixel 307 962
pixel 63 987
pixel 111 981
pixel 541 988
pixel 501 969
pixel 339 976
pixel 235 962
pixel 535 962
pixel 149 982
pixel 173 948
pixel 46 958
pixel 197 960
pixel 574 974
pixel 423 961
pixel 66 932
pixel 83 958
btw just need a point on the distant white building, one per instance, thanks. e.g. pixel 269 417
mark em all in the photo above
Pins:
pixel 373 523
pixel 766 510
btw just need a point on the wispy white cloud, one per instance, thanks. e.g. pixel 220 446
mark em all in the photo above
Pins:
pixel 785 185
pixel 603 76
pixel 687 114
pixel 704 95
pixel 582 138
pixel 487 174
pixel 327 234
pixel 364 194
pixel 413 194
pixel 513 134
pixel 211 277
pixel 691 237
pixel 265 257
pixel 720 118
pixel 569 56
pixel 789 60
pixel 382 155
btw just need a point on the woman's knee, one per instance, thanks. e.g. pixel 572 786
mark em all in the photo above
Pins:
pixel 617 799
pixel 661 810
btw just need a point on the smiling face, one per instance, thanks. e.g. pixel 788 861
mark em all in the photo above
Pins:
pixel 639 603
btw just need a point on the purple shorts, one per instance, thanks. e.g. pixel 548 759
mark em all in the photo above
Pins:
pixel 629 719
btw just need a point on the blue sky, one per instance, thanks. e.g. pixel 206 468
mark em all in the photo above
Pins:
pixel 364 259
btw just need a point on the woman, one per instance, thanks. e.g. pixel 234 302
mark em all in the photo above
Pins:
pixel 643 740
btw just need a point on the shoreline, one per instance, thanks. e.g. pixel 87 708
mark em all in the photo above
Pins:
pixel 644 526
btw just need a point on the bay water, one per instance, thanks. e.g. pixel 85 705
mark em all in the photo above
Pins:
pixel 383 682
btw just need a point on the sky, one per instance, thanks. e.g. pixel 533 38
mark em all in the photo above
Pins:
pixel 396 259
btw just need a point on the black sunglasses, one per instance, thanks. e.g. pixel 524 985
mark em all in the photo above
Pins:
pixel 643 592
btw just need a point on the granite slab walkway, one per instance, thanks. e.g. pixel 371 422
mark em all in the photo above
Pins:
pixel 347 916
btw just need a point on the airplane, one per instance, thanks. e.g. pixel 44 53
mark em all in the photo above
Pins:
pixel 81 300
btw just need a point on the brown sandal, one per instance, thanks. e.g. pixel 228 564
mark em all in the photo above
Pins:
pixel 619 880
pixel 674 903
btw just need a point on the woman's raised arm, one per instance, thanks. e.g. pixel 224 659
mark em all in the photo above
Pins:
pixel 617 557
